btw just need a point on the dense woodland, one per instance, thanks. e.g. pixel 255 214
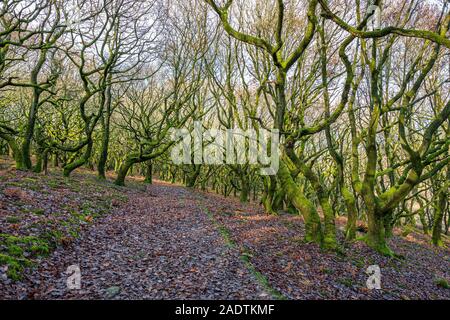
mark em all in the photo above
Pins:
pixel 362 110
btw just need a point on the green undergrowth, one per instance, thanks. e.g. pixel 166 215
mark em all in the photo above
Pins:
pixel 17 252
pixel 443 283
pixel 21 248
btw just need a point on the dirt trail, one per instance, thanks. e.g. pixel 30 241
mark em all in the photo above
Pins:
pixel 168 242
pixel 160 245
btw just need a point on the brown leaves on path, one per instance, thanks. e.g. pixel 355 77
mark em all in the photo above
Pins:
pixel 155 247
pixel 168 242
pixel 301 270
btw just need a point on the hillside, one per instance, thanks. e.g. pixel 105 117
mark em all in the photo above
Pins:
pixel 164 241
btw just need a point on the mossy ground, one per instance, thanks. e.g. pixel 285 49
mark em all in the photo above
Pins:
pixel 17 252
pixel 41 212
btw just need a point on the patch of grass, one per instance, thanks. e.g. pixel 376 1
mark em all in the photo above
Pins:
pixel 74 187
pixel 15 266
pixel 247 254
pixel 121 197
pixel 33 186
pixel 74 233
pixel 12 219
pixel 19 251
pixel 71 227
pixel 38 211
pixel 40 249
pixel 53 236
pixel 346 282
pixel 76 218
pixel 13 251
pixel 225 233
pixel 327 271
pixel 87 206
pixel 14 184
pixel 443 283
pixel 53 183
pixel 359 262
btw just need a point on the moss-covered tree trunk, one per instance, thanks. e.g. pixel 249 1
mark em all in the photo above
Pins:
pixel 16 152
pixel 329 215
pixel 352 213
pixel 149 172
pixel 105 121
pixel 442 203
pixel 245 188
pixel 388 222
pixel 192 175
pixel 375 237
pixel 101 165
pixel 45 162
pixel 270 185
pixel 173 176
pixel 313 229
pixel 71 166
pixel 137 157
pixel 26 145
pixel 123 171
pixel 41 161
pixel 32 112
pixel 278 199
pixel 56 159
pixel 329 233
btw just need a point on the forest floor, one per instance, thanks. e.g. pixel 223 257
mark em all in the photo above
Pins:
pixel 164 241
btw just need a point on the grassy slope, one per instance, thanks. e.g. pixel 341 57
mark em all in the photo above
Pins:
pixel 39 213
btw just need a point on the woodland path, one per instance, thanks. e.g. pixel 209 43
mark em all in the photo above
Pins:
pixel 164 241
pixel 160 245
